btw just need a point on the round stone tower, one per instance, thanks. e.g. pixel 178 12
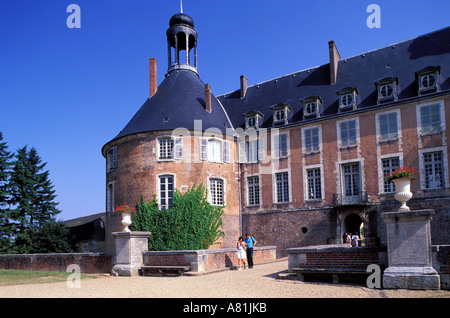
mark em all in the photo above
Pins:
pixel 180 137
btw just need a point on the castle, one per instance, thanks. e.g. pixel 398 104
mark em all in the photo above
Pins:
pixel 297 160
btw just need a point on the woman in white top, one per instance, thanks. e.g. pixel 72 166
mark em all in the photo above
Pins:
pixel 241 245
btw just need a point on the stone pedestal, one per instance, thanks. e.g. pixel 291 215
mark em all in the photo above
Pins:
pixel 409 251
pixel 128 257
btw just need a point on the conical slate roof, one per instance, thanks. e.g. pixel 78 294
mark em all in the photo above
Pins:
pixel 177 103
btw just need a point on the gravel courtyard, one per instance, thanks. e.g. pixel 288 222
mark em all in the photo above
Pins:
pixel 259 282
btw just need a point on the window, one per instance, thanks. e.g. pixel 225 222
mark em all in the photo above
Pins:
pixel 111 159
pixel 433 170
pixel 347 98
pixel 311 106
pixel 282 184
pixel 388 126
pixel 352 182
pixel 214 150
pixel 252 119
pixel 389 165
pixel 165 148
pixel 280 114
pixel 253 190
pixel 252 150
pixel 216 192
pixel 311 139
pixel 430 118
pixel 166 189
pixel 387 89
pixel 314 184
pixel 428 79
pixel 280 145
pixel 348 133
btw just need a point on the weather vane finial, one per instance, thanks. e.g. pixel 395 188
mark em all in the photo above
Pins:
pixel 181 6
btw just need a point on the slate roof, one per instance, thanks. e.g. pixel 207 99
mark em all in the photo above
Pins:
pixel 401 60
pixel 178 101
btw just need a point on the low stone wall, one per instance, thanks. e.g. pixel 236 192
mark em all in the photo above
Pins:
pixel 441 263
pixel 207 260
pixel 336 256
pixel 90 263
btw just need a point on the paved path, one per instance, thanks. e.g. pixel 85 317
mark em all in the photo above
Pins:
pixel 259 282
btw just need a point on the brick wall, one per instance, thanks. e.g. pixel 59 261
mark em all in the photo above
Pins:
pixel 89 263
pixel 336 256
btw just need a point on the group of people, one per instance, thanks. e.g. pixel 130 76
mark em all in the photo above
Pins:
pixel 351 239
pixel 245 250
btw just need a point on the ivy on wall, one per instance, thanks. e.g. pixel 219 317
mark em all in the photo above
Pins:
pixel 192 223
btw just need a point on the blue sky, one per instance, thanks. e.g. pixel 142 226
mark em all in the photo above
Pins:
pixel 67 92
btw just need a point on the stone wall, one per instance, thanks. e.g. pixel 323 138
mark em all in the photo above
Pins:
pixel 90 263
pixel 206 260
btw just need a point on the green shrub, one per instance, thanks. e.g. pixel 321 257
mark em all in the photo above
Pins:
pixel 192 223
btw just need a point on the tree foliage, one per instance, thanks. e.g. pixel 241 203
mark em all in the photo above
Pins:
pixel 26 201
pixel 191 223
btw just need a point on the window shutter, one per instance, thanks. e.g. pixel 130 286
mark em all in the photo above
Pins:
pixel 203 148
pixel 275 150
pixel 178 148
pixel 114 158
pixel 226 152
pixel 241 152
pixel 283 145
pixel 261 149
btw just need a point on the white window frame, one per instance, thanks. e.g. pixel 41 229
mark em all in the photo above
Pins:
pixel 420 130
pixel 445 178
pixel 160 194
pixel 212 198
pixel 308 145
pixel 209 153
pixel 275 187
pixel 306 179
pixel 339 133
pixel 176 151
pixel 390 134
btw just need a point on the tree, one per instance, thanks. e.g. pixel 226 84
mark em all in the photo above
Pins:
pixel 5 226
pixel 192 223
pixel 51 237
pixel 32 198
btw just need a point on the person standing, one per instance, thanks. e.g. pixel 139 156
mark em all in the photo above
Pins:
pixel 251 242
pixel 241 245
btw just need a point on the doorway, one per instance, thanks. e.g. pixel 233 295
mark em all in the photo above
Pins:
pixel 353 224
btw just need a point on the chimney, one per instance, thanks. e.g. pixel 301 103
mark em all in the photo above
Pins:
pixel 334 60
pixel 153 76
pixel 208 98
pixel 243 86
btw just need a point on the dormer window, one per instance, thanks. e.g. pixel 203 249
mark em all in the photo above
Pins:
pixel 347 98
pixel 387 89
pixel 252 119
pixel 428 80
pixel 280 114
pixel 311 107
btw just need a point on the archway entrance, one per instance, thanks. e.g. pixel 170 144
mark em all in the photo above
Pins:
pixel 352 224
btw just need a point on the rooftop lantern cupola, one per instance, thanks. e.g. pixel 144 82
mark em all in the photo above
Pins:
pixel 181 36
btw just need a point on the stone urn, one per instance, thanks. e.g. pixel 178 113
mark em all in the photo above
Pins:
pixel 126 212
pixel 403 192
pixel 126 221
